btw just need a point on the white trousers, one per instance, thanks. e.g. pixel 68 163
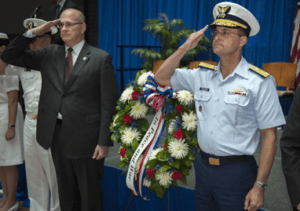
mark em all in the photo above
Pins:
pixel 40 171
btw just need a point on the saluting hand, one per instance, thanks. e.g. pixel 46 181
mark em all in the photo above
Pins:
pixel 194 39
pixel 100 152
pixel 46 27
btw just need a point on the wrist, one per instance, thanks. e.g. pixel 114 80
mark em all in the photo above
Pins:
pixel 261 185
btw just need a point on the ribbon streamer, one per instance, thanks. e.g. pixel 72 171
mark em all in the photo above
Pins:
pixel 155 96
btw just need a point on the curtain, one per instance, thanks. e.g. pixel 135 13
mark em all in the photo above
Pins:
pixel 121 22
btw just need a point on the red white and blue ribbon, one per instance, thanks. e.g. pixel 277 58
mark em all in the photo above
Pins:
pixel 155 96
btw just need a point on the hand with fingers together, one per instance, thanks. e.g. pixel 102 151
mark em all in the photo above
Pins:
pixel 43 29
pixel 100 152
pixel 254 199
pixel 194 39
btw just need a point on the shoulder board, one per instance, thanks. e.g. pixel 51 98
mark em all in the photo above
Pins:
pixel 259 71
pixel 207 66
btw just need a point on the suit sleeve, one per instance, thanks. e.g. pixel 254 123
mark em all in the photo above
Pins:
pixel 290 150
pixel 109 96
pixel 17 54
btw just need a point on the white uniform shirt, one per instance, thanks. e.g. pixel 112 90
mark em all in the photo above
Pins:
pixel 229 123
pixel 31 83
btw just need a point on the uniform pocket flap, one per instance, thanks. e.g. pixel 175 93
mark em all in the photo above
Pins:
pixel 202 96
pixel 240 100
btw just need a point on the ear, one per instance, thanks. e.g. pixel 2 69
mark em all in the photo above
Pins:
pixel 243 41
pixel 83 29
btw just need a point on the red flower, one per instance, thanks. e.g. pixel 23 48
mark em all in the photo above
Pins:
pixel 165 146
pixel 127 119
pixel 150 172
pixel 177 175
pixel 179 109
pixel 135 95
pixel 122 152
pixel 178 134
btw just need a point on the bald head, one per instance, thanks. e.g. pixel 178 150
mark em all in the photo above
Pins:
pixel 72 26
pixel 79 16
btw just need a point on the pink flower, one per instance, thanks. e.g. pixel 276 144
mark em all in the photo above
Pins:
pixel 135 95
pixel 127 119
pixel 150 172
pixel 122 152
pixel 178 134
pixel 177 175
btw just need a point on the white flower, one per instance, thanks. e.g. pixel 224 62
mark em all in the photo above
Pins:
pixel 143 78
pixel 171 126
pixel 189 121
pixel 164 178
pixel 185 97
pixel 154 152
pixel 114 122
pixel 147 182
pixel 126 95
pixel 178 148
pixel 129 134
pixel 139 110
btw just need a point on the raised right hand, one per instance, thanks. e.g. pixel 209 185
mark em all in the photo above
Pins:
pixel 194 39
pixel 46 27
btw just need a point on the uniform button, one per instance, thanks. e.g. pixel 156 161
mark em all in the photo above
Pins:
pixel 200 108
pixel 211 132
pixel 214 116
pixel 216 100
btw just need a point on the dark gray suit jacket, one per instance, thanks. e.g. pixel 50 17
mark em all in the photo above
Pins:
pixel 87 102
pixel 290 150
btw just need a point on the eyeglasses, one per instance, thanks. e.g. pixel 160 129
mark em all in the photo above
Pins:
pixel 225 33
pixel 68 25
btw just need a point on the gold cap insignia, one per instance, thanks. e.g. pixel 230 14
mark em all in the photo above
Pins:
pixel 29 25
pixel 223 11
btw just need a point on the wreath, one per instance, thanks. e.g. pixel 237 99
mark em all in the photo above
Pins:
pixel 165 165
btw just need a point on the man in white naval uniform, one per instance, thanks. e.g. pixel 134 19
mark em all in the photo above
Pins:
pixel 40 171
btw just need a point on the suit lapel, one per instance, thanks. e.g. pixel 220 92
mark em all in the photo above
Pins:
pixel 82 59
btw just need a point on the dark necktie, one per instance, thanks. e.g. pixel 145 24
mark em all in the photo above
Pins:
pixel 57 11
pixel 69 64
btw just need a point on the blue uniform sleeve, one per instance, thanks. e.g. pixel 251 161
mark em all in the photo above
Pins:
pixel 267 107
pixel 184 79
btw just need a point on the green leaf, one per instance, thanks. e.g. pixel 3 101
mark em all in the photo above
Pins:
pixel 165 168
pixel 151 164
pixel 135 144
pixel 163 155
pixel 185 172
pixel 183 179
pixel 175 164
pixel 114 137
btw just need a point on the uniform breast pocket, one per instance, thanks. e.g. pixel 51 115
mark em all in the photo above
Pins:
pixel 235 106
pixel 27 75
pixel 201 103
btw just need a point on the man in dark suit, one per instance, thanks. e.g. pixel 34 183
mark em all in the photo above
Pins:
pixel 290 152
pixel 77 102
pixel 55 12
